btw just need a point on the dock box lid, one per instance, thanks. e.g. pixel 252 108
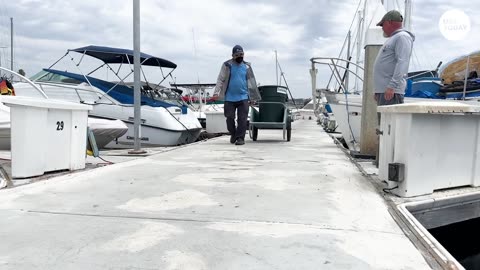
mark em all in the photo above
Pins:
pixel 443 107
pixel 43 103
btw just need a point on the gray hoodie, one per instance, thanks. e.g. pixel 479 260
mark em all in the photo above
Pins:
pixel 224 78
pixel 391 65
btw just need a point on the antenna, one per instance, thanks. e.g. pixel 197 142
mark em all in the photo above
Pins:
pixel 276 66
pixel 195 53
pixel 11 43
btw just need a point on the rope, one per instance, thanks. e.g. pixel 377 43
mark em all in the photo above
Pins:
pixel 106 161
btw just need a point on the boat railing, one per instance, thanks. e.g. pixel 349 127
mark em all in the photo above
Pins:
pixel 336 65
pixel 75 88
pixel 23 78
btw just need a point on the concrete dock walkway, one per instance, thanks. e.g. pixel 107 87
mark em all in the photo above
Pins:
pixel 268 204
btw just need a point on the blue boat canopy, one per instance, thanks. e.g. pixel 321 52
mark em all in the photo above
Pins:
pixel 119 56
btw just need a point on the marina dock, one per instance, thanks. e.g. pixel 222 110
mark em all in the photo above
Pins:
pixel 269 204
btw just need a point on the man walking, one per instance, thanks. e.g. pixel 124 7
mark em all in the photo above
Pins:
pixel 236 85
pixel 391 65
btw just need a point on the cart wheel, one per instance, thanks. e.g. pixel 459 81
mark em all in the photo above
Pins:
pixel 255 133
pixel 289 134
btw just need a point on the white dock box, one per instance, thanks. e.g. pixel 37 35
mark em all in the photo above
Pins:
pixel 215 122
pixel 437 143
pixel 46 135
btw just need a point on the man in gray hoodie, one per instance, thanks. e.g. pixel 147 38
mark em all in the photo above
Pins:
pixel 391 65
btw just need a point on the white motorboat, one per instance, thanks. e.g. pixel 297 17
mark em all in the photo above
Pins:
pixel 104 130
pixel 348 115
pixel 162 123
pixel 307 110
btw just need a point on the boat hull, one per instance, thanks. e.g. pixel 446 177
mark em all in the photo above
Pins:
pixel 154 137
pixel 106 130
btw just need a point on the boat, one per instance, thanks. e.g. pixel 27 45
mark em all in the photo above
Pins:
pixel 460 77
pixel 456 89
pixel 193 99
pixel 199 99
pixel 456 69
pixel 424 87
pixel 4 127
pixel 104 130
pixel 347 110
pixel 307 110
pixel 162 123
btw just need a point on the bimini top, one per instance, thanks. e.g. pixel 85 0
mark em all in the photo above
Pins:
pixel 121 93
pixel 119 56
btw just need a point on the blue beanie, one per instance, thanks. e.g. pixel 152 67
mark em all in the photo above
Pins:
pixel 237 49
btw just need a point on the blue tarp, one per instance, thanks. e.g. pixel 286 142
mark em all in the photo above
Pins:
pixel 120 93
pixel 424 94
pixel 423 88
pixel 122 56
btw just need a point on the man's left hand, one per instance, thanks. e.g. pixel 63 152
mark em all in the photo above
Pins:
pixel 389 93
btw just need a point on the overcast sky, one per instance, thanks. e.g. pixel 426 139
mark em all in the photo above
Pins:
pixel 199 35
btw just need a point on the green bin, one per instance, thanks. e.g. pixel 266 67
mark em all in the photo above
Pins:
pixel 272 112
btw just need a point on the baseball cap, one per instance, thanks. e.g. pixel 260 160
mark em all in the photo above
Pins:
pixel 392 15
pixel 237 49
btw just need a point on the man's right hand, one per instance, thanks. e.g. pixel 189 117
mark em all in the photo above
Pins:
pixel 389 94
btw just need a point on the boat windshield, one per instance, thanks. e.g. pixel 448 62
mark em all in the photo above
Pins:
pixel 45 76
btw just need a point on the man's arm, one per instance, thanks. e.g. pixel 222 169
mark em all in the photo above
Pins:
pixel 254 94
pixel 220 80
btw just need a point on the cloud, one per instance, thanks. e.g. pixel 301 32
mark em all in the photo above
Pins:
pixel 199 35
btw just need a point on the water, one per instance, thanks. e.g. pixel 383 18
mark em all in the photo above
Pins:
pixel 462 241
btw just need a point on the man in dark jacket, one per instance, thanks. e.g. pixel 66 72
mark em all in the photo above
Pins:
pixel 236 85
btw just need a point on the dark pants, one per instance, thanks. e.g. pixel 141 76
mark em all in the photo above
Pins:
pixel 397 99
pixel 241 108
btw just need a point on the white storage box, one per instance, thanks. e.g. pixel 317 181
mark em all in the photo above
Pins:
pixel 46 135
pixel 215 122
pixel 438 143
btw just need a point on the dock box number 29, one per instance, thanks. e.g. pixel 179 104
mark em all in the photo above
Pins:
pixel 60 125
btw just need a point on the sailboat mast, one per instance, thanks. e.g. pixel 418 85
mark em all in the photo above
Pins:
pixel 388 4
pixel 348 59
pixel 407 22
pixel 359 45
pixel 11 43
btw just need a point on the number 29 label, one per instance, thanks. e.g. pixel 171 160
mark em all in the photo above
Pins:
pixel 59 125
